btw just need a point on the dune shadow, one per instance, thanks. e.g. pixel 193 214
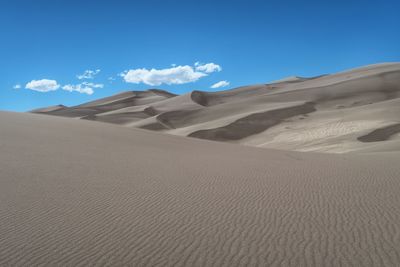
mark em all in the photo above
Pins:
pixel 155 126
pixel 381 134
pixel 253 124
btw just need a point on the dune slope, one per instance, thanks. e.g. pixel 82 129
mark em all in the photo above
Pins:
pixel 82 193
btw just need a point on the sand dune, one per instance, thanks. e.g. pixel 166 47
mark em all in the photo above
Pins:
pixel 48 109
pixel 82 193
pixel 266 115
pixel 117 102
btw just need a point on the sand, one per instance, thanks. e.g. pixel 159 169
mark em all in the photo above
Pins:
pixel 82 193
pixel 353 111
pixel 138 179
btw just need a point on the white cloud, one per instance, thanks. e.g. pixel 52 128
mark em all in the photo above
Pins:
pixel 173 75
pixel 83 88
pixel 78 88
pixel 88 74
pixel 220 84
pixel 207 68
pixel 17 86
pixel 43 85
pixel 93 85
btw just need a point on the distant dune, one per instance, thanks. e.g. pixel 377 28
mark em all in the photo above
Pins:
pixel 344 112
pixel 82 193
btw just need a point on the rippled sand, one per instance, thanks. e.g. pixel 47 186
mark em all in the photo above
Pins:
pixel 81 193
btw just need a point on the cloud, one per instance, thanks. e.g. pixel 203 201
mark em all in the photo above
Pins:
pixel 94 85
pixel 220 84
pixel 83 88
pixel 43 85
pixel 17 86
pixel 78 88
pixel 207 68
pixel 173 75
pixel 88 74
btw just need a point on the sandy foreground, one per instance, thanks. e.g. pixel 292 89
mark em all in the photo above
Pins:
pixel 82 193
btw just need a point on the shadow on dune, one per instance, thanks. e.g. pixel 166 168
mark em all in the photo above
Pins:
pixel 156 126
pixel 381 134
pixel 123 117
pixel 253 124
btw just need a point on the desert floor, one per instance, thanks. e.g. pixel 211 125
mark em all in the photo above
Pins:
pixel 81 193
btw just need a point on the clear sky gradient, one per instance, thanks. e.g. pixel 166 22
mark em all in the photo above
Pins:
pixel 252 41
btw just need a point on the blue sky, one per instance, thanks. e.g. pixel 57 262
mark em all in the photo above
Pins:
pixel 45 45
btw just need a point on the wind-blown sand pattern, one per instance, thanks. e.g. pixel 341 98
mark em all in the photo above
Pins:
pixel 82 193
pixel 347 106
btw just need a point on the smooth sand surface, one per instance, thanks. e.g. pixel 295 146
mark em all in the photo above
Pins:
pixel 336 113
pixel 81 193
